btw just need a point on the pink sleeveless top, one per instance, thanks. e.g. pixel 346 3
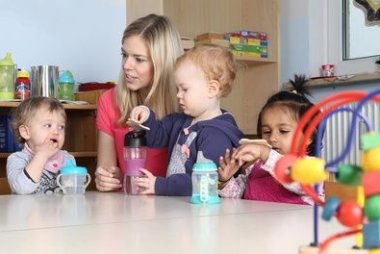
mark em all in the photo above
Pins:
pixel 106 121
pixel 262 186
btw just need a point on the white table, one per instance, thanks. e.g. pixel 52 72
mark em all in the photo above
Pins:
pixel 101 223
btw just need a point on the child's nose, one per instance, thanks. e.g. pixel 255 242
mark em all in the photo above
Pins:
pixel 272 138
pixel 55 130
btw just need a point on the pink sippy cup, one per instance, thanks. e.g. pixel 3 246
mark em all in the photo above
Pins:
pixel 135 152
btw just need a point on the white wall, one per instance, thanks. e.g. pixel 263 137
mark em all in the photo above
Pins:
pixel 303 40
pixel 83 36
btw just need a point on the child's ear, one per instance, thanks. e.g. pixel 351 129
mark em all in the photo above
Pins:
pixel 24 132
pixel 213 88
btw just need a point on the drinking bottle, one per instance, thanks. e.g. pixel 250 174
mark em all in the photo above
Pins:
pixel 135 152
pixel 7 78
pixel 204 181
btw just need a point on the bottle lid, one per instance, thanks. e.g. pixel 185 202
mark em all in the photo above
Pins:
pixel 23 74
pixel 135 138
pixel 66 77
pixel 71 169
pixel 7 60
pixel 203 164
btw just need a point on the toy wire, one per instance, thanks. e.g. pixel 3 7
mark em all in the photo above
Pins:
pixel 350 139
pixel 344 98
pixel 326 242
pixel 320 132
pixel 358 108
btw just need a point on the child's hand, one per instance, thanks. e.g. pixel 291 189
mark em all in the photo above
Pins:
pixel 228 166
pixel 47 149
pixel 250 153
pixel 146 183
pixel 139 114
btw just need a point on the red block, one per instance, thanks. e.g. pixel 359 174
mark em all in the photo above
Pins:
pixel 371 183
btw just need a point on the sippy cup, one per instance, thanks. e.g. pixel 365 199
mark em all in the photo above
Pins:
pixel 66 86
pixel 7 77
pixel 135 152
pixel 72 179
pixel 204 181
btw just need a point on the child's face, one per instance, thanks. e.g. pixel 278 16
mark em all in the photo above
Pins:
pixel 193 94
pixel 137 63
pixel 45 126
pixel 278 127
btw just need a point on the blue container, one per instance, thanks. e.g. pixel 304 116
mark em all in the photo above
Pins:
pixel 204 181
pixel 8 142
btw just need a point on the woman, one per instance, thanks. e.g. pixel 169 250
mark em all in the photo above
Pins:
pixel 150 47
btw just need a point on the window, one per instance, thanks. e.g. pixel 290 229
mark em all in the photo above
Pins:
pixel 360 37
pixel 335 40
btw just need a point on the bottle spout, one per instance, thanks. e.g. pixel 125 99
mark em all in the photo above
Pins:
pixel 202 159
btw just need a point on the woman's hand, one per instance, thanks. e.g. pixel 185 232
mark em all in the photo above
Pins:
pixel 145 183
pixel 108 178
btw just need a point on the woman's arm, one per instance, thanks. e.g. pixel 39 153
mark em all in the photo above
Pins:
pixel 107 175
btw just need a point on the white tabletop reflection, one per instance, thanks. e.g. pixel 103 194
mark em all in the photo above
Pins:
pixel 118 223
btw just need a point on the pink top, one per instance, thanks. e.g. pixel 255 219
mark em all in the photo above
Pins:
pixel 259 183
pixel 107 121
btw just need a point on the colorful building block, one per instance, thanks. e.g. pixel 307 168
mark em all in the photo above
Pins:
pixel 371 183
pixel 371 234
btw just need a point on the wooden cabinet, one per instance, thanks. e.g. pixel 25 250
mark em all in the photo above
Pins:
pixel 80 140
pixel 258 78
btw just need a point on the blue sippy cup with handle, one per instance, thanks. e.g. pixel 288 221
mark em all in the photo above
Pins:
pixel 73 179
pixel 204 181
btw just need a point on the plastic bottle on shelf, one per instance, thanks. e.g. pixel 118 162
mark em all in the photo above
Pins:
pixel 7 78
pixel 22 85
pixel 66 86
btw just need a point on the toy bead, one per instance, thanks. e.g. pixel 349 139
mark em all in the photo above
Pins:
pixel 350 214
pixel 309 170
pixel 349 174
pixel 330 208
pixel 372 208
pixel 370 140
pixel 371 160
pixel 282 168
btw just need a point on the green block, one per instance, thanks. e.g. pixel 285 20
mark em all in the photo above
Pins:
pixel 248 48
pixel 370 140
pixel 372 208
pixel 349 174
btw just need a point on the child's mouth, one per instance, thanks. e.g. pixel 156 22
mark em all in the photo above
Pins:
pixel 54 140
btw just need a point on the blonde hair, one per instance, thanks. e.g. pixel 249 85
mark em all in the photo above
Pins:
pixel 27 110
pixel 164 44
pixel 216 62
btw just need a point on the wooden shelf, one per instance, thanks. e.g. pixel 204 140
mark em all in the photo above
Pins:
pixel 14 104
pixel 254 61
pixel 84 154
pixel 75 154
pixel 81 135
pixel 258 78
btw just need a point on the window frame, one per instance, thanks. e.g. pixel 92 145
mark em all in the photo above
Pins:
pixel 334 35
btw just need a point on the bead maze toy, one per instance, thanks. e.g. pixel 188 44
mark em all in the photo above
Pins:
pixel 354 198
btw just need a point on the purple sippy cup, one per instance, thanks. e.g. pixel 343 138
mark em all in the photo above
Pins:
pixel 135 152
